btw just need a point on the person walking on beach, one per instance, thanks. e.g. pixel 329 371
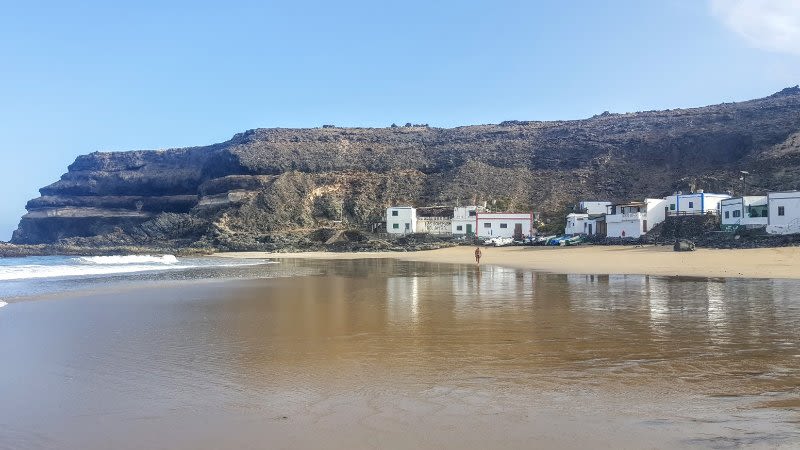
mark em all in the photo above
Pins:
pixel 478 254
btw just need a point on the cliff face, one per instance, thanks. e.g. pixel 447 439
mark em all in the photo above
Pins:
pixel 245 192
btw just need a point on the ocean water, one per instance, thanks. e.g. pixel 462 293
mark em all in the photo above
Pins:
pixel 392 354
pixel 44 275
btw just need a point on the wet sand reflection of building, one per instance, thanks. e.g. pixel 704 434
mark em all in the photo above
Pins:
pixel 416 318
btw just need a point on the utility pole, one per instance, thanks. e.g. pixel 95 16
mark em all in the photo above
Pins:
pixel 744 181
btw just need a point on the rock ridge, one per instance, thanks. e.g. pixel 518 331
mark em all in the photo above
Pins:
pixel 271 185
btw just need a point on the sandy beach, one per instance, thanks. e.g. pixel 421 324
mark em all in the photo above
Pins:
pixel 781 262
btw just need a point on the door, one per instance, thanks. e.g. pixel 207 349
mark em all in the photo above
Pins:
pixel 469 229
pixel 590 229
pixel 518 231
pixel 644 226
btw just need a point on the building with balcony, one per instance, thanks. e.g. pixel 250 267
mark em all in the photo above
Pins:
pixel 694 203
pixel 633 219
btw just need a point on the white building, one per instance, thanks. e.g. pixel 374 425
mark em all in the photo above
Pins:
pixel 401 220
pixel 595 224
pixel 631 220
pixel 580 223
pixel 593 207
pixel 748 212
pixel 784 212
pixel 513 225
pixel 583 220
pixel 463 223
pixel 441 226
pixel 576 223
pixel 590 227
pixel 695 203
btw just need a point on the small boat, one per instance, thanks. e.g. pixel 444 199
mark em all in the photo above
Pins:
pixel 503 241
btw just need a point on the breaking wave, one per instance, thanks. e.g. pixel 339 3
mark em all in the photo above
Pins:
pixel 2 303
pixel 128 259
pixel 37 271
pixel 70 267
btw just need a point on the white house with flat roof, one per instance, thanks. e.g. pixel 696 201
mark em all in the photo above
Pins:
pixel 581 223
pixel 511 225
pixel 401 220
pixel 633 219
pixel 694 203
pixel 463 223
pixel 784 212
pixel 593 207
pixel 576 223
pixel 744 212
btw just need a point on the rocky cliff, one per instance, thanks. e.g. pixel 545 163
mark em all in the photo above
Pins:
pixel 263 185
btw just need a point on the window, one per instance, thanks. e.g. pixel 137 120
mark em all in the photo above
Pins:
pixel 503 225
pixel 727 215
pixel 672 206
pixel 487 225
pixel 472 213
pixel 459 227
pixel 691 204
pixel 737 214
pixel 781 211
pixel 408 226
pixel 395 226
pixel 395 213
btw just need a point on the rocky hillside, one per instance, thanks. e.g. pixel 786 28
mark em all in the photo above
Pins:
pixel 263 185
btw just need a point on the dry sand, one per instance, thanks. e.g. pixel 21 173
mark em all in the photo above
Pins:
pixel 650 260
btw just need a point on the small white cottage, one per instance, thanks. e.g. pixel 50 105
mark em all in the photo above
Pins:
pixel 593 207
pixel 511 225
pixel 576 223
pixel 401 220
pixel 633 219
pixel 784 212
pixel 463 223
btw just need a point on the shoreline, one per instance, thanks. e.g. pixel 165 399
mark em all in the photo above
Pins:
pixel 776 262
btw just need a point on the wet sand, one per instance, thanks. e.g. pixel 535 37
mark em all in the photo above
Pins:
pixel 643 260
pixel 395 354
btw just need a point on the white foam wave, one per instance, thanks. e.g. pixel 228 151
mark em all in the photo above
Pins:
pixel 40 271
pixel 128 259
pixel 2 303
pixel 111 265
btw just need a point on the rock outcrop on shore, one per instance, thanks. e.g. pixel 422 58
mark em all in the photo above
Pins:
pixel 275 188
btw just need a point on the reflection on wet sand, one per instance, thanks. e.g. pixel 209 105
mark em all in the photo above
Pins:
pixel 404 354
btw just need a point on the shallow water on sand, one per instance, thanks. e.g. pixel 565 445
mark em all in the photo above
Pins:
pixel 389 354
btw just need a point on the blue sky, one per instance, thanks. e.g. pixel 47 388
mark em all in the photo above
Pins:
pixel 81 77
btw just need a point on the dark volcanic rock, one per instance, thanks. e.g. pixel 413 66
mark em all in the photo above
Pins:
pixel 270 188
